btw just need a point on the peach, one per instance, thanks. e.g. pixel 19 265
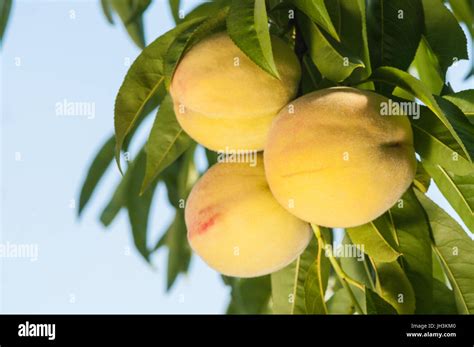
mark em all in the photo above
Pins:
pixel 222 99
pixel 332 159
pixel 236 226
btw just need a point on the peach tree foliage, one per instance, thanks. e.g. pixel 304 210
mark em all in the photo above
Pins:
pixel 399 48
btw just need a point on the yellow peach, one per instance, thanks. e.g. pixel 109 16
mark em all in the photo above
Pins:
pixel 236 226
pixel 223 99
pixel 332 159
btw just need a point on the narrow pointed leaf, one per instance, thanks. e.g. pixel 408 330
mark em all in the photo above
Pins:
pixel 96 170
pixel 414 243
pixel 139 7
pixel 458 190
pixel 392 24
pixel 340 303
pixel 250 295
pixel 247 25
pixel 179 254
pixel 443 34
pixel 394 287
pixel 143 81
pixel 107 10
pixel 316 10
pixel 331 59
pixel 316 283
pixel 288 284
pixel 435 143
pixel 455 250
pixel 138 207
pixel 125 10
pixel 422 179
pixel 166 142
pixel 376 305
pixel 427 66
pixel 174 7
pixel 118 199
pixel 464 100
pixel 349 18
pixel 444 299
pixel 464 12
pixel 377 239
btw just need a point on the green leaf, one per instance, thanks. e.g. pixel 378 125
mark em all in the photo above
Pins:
pixel 211 157
pixel 139 7
pixel 166 142
pixel 393 24
pixel 355 267
pixel 125 10
pixel 405 81
pixel 443 34
pixel 107 10
pixel 195 31
pixel 5 8
pixel 377 239
pixel 464 100
pixel 316 10
pixel 143 81
pixel 96 170
pixel 414 243
pixel 422 179
pixel 458 190
pixel 350 23
pixel 331 59
pixel 426 64
pixel 435 143
pixel 170 179
pixel 118 199
pixel 444 299
pixel 461 124
pixel 438 270
pixel 464 12
pixel 247 26
pixel 394 287
pixel 376 305
pixel 249 295
pixel 288 284
pixel 340 303
pixel 139 206
pixel 179 251
pixel 310 75
pixel 455 250
pixel 174 7
pixel 315 283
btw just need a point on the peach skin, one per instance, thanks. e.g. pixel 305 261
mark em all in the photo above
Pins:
pixel 237 227
pixel 332 159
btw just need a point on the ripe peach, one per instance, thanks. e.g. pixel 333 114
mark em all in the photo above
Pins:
pixel 237 227
pixel 332 159
pixel 223 99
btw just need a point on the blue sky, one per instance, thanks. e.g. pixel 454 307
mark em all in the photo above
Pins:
pixel 48 57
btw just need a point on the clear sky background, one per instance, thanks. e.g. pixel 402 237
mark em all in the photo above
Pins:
pixel 82 267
